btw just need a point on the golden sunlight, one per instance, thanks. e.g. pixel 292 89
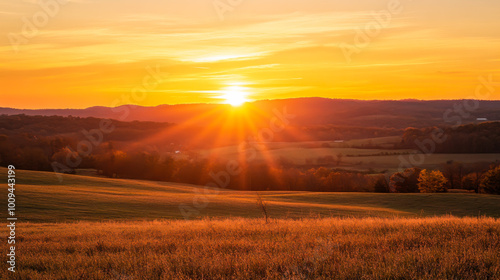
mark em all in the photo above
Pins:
pixel 235 95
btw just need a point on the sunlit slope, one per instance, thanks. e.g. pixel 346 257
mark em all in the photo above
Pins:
pixel 42 198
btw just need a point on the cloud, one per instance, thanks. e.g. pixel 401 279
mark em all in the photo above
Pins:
pixel 100 46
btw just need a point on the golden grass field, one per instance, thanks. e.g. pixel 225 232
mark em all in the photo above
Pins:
pixel 331 248
pixel 99 228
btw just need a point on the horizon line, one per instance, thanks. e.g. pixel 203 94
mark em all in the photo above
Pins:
pixel 255 101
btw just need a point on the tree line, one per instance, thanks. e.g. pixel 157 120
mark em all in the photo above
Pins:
pixel 467 139
pixel 414 180
pixel 37 143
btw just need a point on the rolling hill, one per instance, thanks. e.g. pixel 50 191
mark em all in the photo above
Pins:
pixel 307 111
pixel 41 197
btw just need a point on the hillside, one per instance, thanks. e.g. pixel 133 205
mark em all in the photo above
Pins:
pixel 42 198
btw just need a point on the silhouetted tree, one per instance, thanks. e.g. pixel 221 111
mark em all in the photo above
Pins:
pixel 381 185
pixel 472 181
pixel 406 181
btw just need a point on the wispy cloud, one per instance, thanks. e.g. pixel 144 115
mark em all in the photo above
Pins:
pixel 100 46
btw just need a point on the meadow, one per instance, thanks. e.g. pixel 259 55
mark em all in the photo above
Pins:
pixel 88 227
pixel 330 248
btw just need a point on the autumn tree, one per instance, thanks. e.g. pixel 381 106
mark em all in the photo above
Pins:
pixel 431 181
pixel 491 181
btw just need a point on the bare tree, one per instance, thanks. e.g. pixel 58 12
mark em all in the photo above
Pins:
pixel 263 206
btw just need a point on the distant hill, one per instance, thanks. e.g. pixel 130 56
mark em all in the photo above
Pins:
pixel 307 111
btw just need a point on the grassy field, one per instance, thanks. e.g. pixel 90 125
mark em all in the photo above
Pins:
pixel 332 248
pixel 42 198
pixel 99 228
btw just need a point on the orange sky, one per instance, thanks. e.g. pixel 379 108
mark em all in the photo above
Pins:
pixel 95 52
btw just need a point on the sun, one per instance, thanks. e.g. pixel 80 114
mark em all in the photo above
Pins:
pixel 235 95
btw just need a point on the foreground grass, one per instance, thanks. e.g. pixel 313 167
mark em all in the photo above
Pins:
pixel 370 248
pixel 41 197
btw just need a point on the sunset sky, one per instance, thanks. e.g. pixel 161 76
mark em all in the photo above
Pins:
pixel 95 52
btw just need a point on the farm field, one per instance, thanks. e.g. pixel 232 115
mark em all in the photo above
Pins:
pixel 353 157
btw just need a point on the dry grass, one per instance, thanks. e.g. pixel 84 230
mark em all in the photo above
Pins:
pixel 370 248
pixel 392 244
